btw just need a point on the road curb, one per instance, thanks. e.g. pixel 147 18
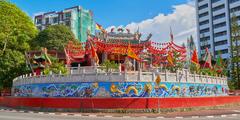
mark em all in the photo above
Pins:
pixel 110 116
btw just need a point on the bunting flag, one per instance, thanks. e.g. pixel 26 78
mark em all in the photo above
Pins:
pixel 131 53
pixel 170 58
pixel 208 59
pixel 194 59
pixel 94 53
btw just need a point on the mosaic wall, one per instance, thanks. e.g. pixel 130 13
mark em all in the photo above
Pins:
pixel 120 89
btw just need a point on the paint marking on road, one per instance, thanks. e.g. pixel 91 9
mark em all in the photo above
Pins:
pixel 143 117
pixel 223 115
pixel 236 110
pixel 234 114
pixel 92 115
pixel 40 112
pixel 21 111
pixel 160 117
pixel 64 114
pixel 51 113
pixel 108 116
pixel 179 117
pixel 210 116
pixel 195 116
pixel 78 115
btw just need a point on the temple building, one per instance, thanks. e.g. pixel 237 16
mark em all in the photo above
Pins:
pixel 119 39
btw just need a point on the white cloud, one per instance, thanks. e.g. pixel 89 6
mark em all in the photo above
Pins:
pixel 182 21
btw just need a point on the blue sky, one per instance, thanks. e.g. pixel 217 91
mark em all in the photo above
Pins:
pixel 106 12
pixel 151 16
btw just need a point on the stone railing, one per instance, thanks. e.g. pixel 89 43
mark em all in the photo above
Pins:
pixel 98 74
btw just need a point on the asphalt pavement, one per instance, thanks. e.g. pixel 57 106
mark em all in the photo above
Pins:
pixel 11 114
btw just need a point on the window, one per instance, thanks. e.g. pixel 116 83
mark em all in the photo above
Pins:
pixel 203 39
pixel 220 34
pixel 39 20
pixel 203 14
pixel 55 19
pixel 213 1
pixel 235 9
pixel 68 15
pixel 200 0
pixel 47 21
pixel 204 30
pixel 205 46
pixel 224 51
pixel 203 6
pixel 219 25
pixel 204 22
pixel 223 42
pixel 219 16
pixel 233 1
pixel 218 7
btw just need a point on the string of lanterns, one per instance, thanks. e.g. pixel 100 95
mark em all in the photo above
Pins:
pixel 159 51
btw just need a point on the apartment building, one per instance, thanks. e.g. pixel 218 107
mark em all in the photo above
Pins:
pixel 213 25
pixel 78 19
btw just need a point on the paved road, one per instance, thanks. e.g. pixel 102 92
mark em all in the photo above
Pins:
pixel 21 115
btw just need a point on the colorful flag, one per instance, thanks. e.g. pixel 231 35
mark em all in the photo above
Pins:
pixel 170 58
pixel 158 80
pixel 171 34
pixel 131 53
pixel 98 27
pixel 94 54
pixel 208 59
pixel 194 59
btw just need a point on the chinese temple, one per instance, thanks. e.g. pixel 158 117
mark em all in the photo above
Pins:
pixel 114 46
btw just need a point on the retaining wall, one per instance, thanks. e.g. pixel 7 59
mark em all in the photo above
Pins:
pixel 117 103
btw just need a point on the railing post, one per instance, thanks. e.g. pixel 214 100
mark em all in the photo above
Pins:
pixel 177 75
pixel 139 74
pixel 166 75
pixel 153 76
pixel 187 75
pixel 79 68
pixel 125 75
pixel 194 77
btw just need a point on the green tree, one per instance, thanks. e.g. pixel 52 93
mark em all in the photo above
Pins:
pixel 177 64
pixel 109 65
pixel 16 32
pixel 54 37
pixel 235 61
pixel 56 67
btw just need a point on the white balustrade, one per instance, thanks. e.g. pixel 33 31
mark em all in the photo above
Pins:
pixel 98 74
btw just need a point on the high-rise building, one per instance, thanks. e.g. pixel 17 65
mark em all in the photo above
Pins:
pixel 78 19
pixel 213 25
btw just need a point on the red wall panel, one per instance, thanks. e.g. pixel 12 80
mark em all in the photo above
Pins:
pixel 115 103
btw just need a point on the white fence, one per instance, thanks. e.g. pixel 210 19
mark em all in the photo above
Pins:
pixel 97 74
